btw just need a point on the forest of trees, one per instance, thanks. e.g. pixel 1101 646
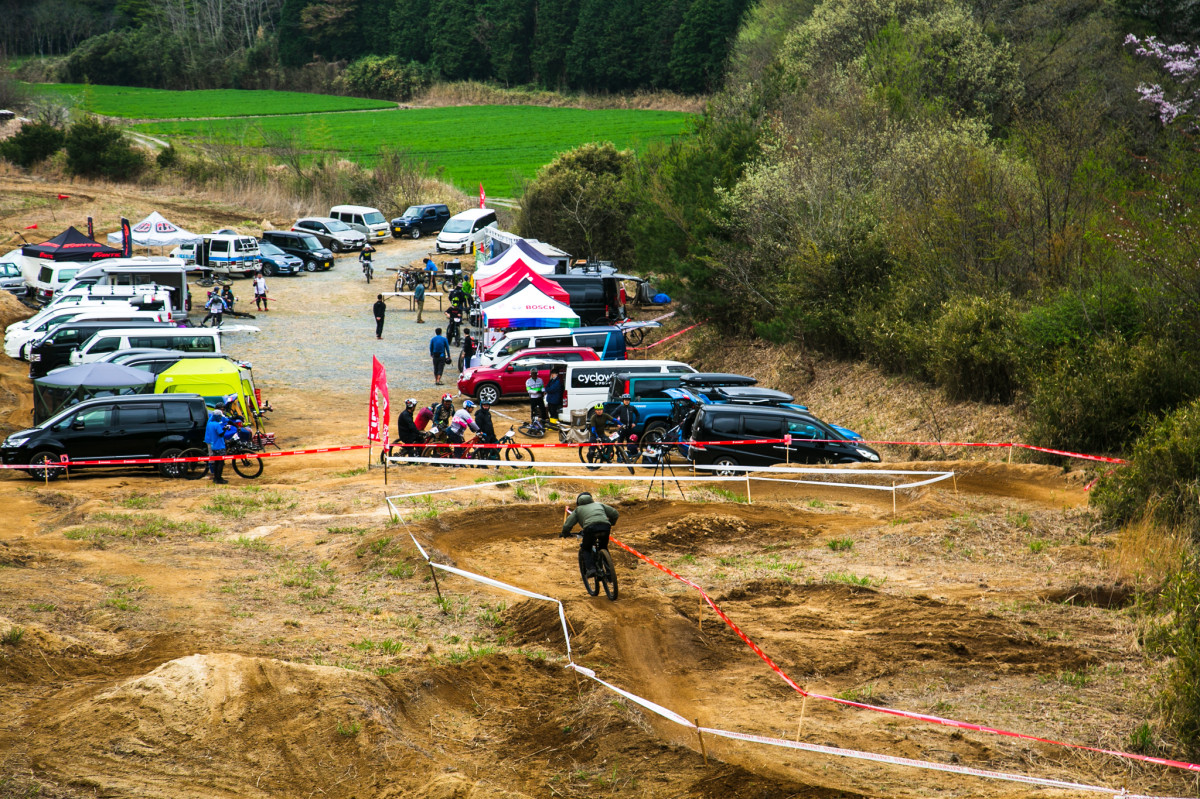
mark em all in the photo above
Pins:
pixel 592 45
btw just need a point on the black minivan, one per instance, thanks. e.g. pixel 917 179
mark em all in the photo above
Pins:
pixel 107 428
pixel 55 349
pixel 304 246
pixel 812 441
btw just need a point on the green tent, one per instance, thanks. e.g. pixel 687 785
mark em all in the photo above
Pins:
pixel 212 378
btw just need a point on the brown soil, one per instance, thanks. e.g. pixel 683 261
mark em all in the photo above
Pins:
pixel 280 637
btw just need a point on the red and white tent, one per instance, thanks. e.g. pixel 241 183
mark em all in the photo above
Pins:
pixel 502 283
pixel 521 252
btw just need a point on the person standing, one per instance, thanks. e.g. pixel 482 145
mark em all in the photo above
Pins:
pixel 537 396
pixel 470 347
pixel 439 350
pixel 260 292
pixel 379 309
pixel 454 314
pixel 419 301
pixel 554 392
pixel 214 437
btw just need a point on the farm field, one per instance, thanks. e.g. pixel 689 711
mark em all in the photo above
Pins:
pixel 136 103
pixel 497 146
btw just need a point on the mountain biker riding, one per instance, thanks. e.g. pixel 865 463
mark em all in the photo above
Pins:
pixel 365 258
pixel 407 432
pixel 444 412
pixel 597 520
pixel 627 417
pixel 598 422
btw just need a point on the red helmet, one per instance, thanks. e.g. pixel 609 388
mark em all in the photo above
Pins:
pixel 447 398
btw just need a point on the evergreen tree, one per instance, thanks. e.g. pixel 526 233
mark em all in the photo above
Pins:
pixel 702 42
pixel 455 49
pixel 553 27
pixel 408 26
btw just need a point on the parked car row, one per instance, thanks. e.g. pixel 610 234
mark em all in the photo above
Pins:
pixel 674 402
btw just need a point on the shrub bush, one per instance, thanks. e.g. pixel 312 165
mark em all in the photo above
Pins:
pixel 386 78
pixel 973 354
pixel 1099 398
pixel 1178 636
pixel 96 149
pixel 1162 478
pixel 32 144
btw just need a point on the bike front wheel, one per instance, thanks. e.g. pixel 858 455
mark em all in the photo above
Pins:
pixel 590 584
pixel 518 455
pixel 606 574
pixel 590 457
pixel 247 467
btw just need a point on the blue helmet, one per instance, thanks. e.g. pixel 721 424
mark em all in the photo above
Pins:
pixel 468 405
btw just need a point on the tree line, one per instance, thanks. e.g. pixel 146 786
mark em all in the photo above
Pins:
pixel 591 45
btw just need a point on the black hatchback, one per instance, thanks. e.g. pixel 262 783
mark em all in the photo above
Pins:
pixel 304 246
pixel 110 428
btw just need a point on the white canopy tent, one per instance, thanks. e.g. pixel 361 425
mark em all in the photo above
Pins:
pixel 521 251
pixel 156 231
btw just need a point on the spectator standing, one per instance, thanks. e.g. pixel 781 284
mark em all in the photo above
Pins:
pixel 469 347
pixel 430 271
pixel 419 301
pixel 214 437
pixel 439 350
pixel 260 292
pixel 483 418
pixel 554 392
pixel 379 309
pixel 537 396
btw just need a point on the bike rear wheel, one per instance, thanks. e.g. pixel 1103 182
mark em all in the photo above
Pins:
pixel 194 470
pixel 531 431
pixel 590 456
pixel 606 574
pixel 590 584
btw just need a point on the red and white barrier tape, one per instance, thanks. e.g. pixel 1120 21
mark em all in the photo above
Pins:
pixel 671 715
pixel 667 338
pixel 892 711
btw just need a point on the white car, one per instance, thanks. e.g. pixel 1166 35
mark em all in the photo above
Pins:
pixel 333 233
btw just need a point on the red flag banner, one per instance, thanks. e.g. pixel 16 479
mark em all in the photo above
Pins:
pixel 482 197
pixel 378 409
pixel 126 239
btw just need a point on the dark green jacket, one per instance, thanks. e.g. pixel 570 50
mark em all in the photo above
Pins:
pixel 589 512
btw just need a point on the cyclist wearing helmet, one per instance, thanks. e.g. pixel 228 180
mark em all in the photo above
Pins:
pixel 598 421
pixel 597 520
pixel 461 422
pixel 627 417
pixel 483 418
pixel 406 426
pixel 537 396
pixel 444 412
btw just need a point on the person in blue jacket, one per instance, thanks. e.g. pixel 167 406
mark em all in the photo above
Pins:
pixel 214 437
pixel 439 350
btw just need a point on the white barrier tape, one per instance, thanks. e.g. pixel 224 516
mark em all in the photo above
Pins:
pixel 779 742
pixel 421 549
pixel 461 488
pixel 856 754
pixel 646 703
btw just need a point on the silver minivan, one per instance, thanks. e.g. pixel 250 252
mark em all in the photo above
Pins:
pixel 366 220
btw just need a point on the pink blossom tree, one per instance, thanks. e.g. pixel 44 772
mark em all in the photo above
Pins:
pixel 1179 61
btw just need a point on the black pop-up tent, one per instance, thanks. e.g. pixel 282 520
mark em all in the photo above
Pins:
pixel 67 387
pixel 70 245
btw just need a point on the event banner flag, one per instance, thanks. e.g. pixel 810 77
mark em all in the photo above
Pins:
pixel 482 197
pixel 127 247
pixel 379 410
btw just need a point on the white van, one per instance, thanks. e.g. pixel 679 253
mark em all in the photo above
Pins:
pixel 464 232
pixel 51 277
pixel 607 340
pixel 167 274
pixel 21 334
pixel 366 220
pixel 105 295
pixel 229 254
pixel 587 383
pixel 184 339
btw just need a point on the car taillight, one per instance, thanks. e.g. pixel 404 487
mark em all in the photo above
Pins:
pixel 564 399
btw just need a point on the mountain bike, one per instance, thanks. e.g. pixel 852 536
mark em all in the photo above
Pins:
pixel 606 575
pixel 515 455
pixel 245 464
pixel 533 428
pixel 209 279
pixel 612 451
pixel 368 271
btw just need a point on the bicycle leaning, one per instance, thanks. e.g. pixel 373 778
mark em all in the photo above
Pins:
pixel 609 449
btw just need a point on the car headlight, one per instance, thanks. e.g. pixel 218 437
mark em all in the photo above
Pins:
pixel 15 441
pixel 866 453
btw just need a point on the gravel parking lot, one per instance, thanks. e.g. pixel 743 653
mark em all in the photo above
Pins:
pixel 319 335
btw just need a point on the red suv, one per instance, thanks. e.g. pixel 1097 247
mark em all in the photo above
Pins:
pixel 507 377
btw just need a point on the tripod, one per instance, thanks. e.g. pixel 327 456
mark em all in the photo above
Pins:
pixel 661 467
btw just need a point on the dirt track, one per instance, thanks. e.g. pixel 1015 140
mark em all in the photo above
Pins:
pixel 280 637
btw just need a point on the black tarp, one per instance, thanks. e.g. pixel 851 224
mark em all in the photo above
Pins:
pixel 70 245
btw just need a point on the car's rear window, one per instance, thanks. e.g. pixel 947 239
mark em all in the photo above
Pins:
pixel 762 426
pixel 178 412
pixel 724 423
pixel 142 413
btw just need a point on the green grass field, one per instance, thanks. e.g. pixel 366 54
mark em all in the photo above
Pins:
pixel 497 146
pixel 135 103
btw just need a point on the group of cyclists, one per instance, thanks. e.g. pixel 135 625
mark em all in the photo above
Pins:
pixel 415 428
